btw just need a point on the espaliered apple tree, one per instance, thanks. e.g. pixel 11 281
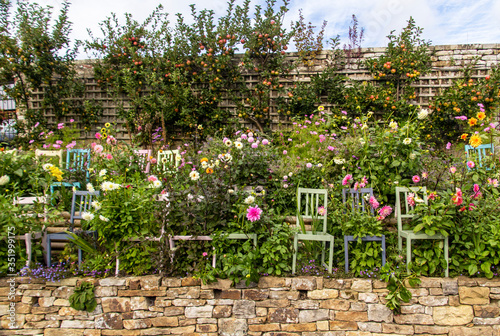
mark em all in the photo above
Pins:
pixel 38 60
pixel 266 42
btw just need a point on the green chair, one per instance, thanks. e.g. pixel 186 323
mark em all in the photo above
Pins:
pixel 402 212
pixel 308 203
pixel 480 152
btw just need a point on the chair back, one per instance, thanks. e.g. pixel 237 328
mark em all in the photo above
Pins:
pixel 480 152
pixel 143 156
pixel 53 153
pixel 356 198
pixel 80 203
pixel 78 159
pixel 309 201
pixel 31 200
pixel 403 208
pixel 172 158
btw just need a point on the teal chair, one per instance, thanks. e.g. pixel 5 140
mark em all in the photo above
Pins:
pixel 402 212
pixel 308 203
pixel 480 152
pixel 78 160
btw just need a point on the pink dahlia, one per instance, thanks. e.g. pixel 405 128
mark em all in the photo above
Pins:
pixel 253 213
pixel 346 179
pixel 373 202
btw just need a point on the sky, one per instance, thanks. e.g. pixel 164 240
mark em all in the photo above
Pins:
pixel 444 21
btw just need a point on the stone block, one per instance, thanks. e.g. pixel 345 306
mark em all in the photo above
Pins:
pixel 351 316
pixel 304 283
pixel 283 315
pixel 271 282
pixel 414 319
pixel 459 315
pixel 75 324
pixel 397 329
pixel 197 312
pixel 232 294
pixel 182 330
pixel 65 332
pixel 171 282
pixel 280 295
pixel 140 292
pixel 255 294
pixel 244 309
pixel 136 324
pixel 335 304
pixel 413 309
pixel 109 321
pixel 46 301
pixel 102 291
pixel 323 294
pixel 219 284
pixel 42 324
pixel 370 327
pixel 112 282
pixel 173 311
pixel 222 311
pixel 361 285
pixel 368 297
pixel 165 321
pixel 343 325
pixel 116 304
pixel 486 321
pixel 471 331
pixel 433 300
pixel 299 327
pixel 188 302
pixel 63 292
pixel 486 311
pixel 36 292
pixel 68 311
pixel 474 295
pixel 186 282
pixel 233 327
pixel 139 303
pixel 337 283
pixel 281 303
pixel 431 330
pixel 306 304
pixel 206 328
pixel 150 282
pixel 359 306
pixel 379 313
pixel 313 315
pixel 264 327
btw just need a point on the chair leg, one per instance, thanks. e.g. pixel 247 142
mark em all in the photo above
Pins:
pixel 294 258
pixel 383 250
pixel 446 257
pixel 400 244
pixel 172 246
pixel 330 264
pixel 346 254
pixel 79 259
pixel 49 251
pixel 408 255
pixel 27 240
pixel 323 252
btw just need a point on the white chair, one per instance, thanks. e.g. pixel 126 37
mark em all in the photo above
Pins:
pixel 53 153
pixel 167 158
pixel 27 237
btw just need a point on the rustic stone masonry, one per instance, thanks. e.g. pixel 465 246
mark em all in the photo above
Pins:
pixel 307 306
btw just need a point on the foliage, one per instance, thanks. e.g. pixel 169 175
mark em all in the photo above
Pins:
pixel 396 279
pixel 83 297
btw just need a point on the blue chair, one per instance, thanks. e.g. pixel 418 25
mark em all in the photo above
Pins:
pixel 80 203
pixel 78 160
pixel 358 203
pixel 481 151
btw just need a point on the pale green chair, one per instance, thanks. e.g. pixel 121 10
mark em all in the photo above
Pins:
pixel 308 203
pixel 402 212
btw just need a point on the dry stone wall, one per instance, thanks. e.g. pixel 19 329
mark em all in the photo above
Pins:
pixel 307 306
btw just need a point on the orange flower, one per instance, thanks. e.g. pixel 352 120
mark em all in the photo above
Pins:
pixel 210 170
pixel 475 140
pixel 481 115
pixel 472 121
pixel 204 160
pixel 464 136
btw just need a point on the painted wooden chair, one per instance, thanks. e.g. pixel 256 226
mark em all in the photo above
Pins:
pixel 78 160
pixel 143 157
pixel 479 153
pixel 358 203
pixel 403 212
pixel 168 158
pixel 52 153
pixel 28 237
pixel 80 203
pixel 309 202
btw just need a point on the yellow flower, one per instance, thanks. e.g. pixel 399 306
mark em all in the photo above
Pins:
pixel 107 125
pixel 103 130
pixel 210 170
pixel 321 108
pixel 204 160
pixel 104 135
pixel 481 115
pixel 475 140
pixel 464 136
pixel 472 121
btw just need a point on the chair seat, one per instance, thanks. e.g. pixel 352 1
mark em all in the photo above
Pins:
pixel 315 236
pixel 365 238
pixel 412 235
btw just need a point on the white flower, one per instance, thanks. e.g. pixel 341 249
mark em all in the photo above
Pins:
pixel 285 185
pixel 230 191
pixel 365 126
pixel 204 164
pixel 194 175
pixel 87 216
pixel 90 187
pixel 157 184
pixel 238 145
pixel 393 125
pixel 228 157
pixel 47 166
pixel 339 161
pixel 250 134
pixel 190 197
pixel 369 114
pixel 200 198
pixel 164 160
pixel 290 174
pixel 362 141
pixel 407 141
pixel 102 172
pixel 4 180
pixel 412 156
pixel 217 162
pixel 319 165
pixel 115 186
pixel 228 143
pixel 74 189
pixel 108 186
pixel 422 114
pixel 96 205
pixel 249 200
pixel 104 219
